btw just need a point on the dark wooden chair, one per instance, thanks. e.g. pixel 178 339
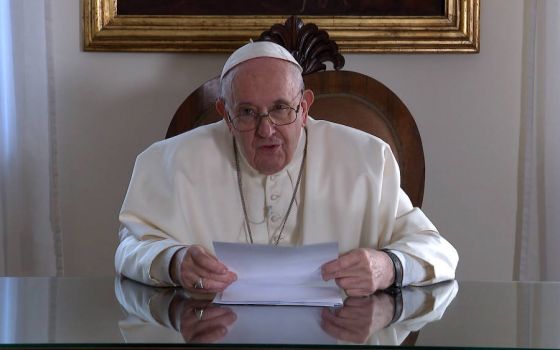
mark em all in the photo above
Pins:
pixel 343 97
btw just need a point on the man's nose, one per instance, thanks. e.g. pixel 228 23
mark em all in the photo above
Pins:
pixel 265 128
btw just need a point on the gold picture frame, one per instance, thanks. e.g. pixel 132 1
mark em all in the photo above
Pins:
pixel 456 32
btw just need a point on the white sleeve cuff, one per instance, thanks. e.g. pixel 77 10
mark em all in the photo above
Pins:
pixel 413 270
pixel 159 269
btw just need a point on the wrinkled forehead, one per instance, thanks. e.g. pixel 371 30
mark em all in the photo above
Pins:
pixel 274 77
pixel 266 78
pixel 264 67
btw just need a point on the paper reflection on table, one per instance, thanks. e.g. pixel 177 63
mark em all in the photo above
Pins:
pixel 164 315
pixel 277 325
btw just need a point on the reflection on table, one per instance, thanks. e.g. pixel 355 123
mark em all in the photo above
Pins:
pixel 163 315
pixel 85 313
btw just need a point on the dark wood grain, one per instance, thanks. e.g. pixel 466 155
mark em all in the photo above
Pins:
pixel 309 45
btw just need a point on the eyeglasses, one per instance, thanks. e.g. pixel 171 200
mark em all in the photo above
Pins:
pixel 248 119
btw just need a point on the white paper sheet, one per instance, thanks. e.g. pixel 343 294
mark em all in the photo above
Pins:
pixel 271 275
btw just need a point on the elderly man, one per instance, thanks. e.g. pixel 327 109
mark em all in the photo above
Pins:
pixel 270 174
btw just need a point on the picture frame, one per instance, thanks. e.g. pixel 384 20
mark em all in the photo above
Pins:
pixel 456 31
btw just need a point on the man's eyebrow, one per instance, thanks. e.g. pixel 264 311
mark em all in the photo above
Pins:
pixel 281 101
pixel 278 101
pixel 244 104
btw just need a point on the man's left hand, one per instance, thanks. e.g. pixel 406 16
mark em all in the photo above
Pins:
pixel 361 271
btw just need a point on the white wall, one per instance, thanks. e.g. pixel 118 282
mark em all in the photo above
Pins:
pixel 110 106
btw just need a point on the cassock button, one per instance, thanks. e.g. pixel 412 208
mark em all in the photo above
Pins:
pixel 274 197
pixel 275 218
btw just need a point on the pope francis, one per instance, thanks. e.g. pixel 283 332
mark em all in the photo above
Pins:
pixel 270 174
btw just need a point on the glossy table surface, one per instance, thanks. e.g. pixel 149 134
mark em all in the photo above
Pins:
pixel 114 312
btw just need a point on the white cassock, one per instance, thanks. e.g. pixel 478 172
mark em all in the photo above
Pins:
pixel 184 191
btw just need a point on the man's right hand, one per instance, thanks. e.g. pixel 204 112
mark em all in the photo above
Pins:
pixel 194 267
pixel 359 318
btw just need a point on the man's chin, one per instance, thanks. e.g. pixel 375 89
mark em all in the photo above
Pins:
pixel 269 171
pixel 270 161
pixel 269 168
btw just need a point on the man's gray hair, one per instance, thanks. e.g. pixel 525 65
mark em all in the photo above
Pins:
pixel 226 82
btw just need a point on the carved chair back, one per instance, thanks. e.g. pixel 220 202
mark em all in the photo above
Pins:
pixel 343 97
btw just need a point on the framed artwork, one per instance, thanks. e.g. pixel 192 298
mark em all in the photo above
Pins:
pixel 381 26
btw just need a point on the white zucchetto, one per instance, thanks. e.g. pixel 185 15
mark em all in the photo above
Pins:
pixel 256 50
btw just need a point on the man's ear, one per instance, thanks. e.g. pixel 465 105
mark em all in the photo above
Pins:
pixel 221 109
pixel 306 102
